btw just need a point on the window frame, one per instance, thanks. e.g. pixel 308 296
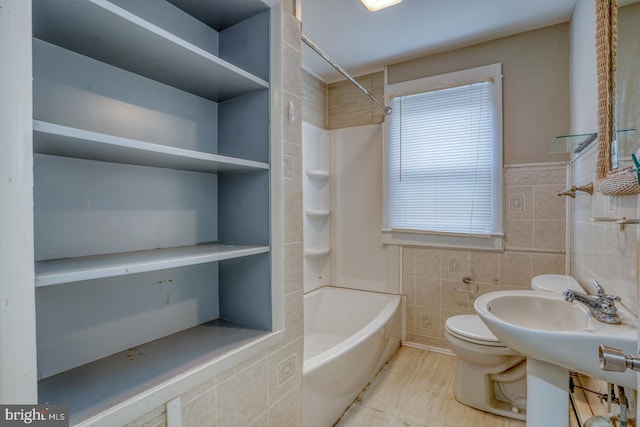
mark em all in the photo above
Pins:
pixel 491 242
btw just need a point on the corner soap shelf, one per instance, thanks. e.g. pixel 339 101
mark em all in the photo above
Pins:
pixel 321 177
pixel 319 251
pixel 317 174
pixel 317 213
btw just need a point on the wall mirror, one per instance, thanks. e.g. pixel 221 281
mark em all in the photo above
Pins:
pixel 618 62
pixel 626 97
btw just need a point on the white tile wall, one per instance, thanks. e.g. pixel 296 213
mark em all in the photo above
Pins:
pixel 600 250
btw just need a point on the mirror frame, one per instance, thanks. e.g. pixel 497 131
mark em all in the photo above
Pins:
pixel 625 180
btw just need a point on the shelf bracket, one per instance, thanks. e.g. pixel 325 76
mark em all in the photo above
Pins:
pixel 622 221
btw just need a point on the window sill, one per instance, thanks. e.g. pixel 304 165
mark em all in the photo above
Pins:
pixel 493 242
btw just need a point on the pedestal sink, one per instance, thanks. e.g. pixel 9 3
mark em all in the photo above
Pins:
pixel 556 336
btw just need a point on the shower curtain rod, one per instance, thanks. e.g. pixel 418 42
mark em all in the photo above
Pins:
pixel 342 71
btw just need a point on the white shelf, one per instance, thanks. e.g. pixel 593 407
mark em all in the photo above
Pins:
pixel 108 33
pixel 220 14
pixel 317 213
pixel 102 384
pixel 317 174
pixel 53 272
pixel 318 251
pixel 49 138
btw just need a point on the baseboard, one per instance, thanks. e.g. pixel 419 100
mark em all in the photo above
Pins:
pixel 425 347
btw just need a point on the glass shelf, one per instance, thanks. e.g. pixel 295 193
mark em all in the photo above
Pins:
pixel 571 143
pixel 578 142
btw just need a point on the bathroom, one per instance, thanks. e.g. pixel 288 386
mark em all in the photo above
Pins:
pixel 550 89
pixel 544 233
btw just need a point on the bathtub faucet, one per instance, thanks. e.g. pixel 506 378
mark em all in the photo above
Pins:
pixel 602 306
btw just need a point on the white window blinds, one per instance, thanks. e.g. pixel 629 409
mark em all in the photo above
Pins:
pixel 443 161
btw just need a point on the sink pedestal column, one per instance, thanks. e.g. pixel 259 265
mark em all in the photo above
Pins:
pixel 547 394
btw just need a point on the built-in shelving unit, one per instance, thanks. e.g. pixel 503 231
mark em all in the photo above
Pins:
pixel 152 181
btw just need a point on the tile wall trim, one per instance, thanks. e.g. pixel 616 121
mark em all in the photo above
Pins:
pixel 535 250
pixel 536 165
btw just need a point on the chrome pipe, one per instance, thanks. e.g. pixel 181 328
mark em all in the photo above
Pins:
pixel 342 71
pixel 615 360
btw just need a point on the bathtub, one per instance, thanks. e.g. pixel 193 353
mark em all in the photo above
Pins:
pixel 348 337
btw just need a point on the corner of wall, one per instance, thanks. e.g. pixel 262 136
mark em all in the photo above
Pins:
pixel 583 70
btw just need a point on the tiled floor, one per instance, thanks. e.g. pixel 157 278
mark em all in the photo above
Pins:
pixel 416 389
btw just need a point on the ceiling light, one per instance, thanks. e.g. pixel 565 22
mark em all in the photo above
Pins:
pixel 375 5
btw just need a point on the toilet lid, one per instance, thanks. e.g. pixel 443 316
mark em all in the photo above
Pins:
pixel 471 328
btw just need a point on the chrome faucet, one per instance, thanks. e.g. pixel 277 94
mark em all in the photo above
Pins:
pixel 602 306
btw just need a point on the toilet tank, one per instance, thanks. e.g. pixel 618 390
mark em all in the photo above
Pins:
pixel 555 283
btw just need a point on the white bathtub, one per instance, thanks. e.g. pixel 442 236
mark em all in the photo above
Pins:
pixel 348 336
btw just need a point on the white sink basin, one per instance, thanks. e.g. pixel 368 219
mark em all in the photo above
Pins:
pixel 543 326
pixel 534 312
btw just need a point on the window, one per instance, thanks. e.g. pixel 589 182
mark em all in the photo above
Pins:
pixel 444 160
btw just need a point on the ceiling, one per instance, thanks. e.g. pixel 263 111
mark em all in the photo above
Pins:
pixel 362 41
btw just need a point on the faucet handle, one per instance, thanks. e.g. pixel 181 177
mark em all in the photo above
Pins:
pixel 608 312
pixel 599 288
pixel 568 295
pixel 610 299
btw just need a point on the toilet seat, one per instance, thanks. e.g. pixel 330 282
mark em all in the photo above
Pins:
pixel 470 328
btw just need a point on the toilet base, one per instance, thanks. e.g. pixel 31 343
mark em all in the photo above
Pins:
pixel 481 390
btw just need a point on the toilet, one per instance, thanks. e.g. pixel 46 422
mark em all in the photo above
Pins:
pixel 490 376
